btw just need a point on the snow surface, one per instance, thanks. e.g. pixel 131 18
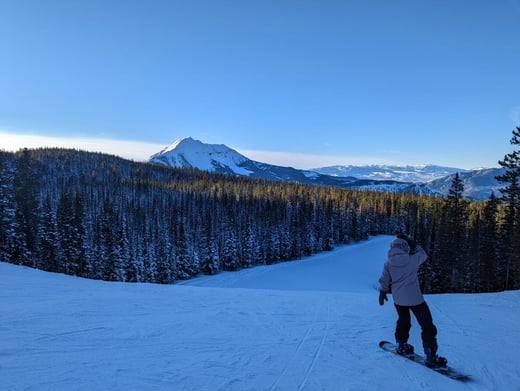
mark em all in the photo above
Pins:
pixel 312 324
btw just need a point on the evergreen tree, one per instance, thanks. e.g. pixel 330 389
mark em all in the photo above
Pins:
pixel 511 198
pixel 48 236
pixel 210 260
pixel 489 247
pixel 249 247
pixel 229 259
pixel 26 199
pixel 70 259
pixel 452 236
pixel 79 235
pixel 111 235
pixel 188 264
pixel 7 210
pixel 135 268
pixel 165 259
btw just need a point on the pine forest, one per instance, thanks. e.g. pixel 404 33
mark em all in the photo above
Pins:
pixel 103 217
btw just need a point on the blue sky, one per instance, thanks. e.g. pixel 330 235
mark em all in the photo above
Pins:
pixel 300 83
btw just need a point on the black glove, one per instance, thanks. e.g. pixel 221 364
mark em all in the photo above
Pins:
pixel 411 243
pixel 382 297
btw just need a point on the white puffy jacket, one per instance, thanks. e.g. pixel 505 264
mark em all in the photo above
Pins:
pixel 400 276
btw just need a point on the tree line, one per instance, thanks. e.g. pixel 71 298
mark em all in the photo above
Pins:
pixel 103 217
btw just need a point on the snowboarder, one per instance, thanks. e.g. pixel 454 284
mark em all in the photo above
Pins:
pixel 400 278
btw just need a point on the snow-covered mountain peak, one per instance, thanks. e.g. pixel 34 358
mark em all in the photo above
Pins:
pixel 191 145
pixel 177 144
pixel 190 153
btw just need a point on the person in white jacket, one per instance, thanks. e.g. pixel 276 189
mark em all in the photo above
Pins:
pixel 400 278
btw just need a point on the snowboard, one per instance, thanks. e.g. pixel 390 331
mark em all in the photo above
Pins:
pixel 448 371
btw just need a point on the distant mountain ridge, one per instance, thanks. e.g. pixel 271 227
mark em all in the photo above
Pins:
pixel 418 179
pixel 478 184
pixel 409 173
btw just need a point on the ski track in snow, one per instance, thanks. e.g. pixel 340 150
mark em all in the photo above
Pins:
pixel 318 350
pixel 312 324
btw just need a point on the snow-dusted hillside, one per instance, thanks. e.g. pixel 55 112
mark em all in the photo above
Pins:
pixel 312 324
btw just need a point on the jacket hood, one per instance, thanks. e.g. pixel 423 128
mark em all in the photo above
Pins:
pixel 398 257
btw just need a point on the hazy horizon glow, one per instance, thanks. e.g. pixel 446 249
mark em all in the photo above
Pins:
pixel 142 151
pixel 133 150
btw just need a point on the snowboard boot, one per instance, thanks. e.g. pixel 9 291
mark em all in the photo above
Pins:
pixel 433 361
pixel 404 349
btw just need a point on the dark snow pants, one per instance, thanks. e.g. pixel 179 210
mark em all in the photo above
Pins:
pixel 424 318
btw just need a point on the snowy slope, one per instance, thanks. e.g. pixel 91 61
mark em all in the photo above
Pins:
pixel 312 324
